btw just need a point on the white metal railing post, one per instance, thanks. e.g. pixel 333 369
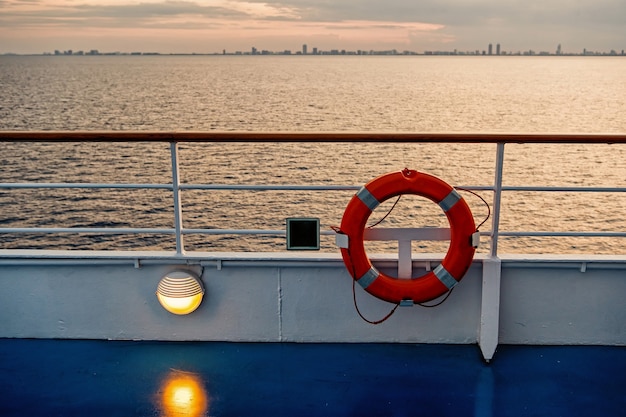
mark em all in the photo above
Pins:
pixel 488 336
pixel 178 210
pixel 497 198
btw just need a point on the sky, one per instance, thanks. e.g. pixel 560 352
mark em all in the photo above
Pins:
pixel 209 26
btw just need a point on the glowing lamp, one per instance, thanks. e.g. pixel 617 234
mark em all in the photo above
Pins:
pixel 180 292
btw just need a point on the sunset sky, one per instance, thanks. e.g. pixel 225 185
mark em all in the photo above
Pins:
pixel 207 26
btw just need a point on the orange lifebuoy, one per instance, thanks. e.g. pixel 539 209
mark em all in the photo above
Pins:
pixel 431 285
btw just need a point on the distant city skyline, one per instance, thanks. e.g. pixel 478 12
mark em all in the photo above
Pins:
pixel 212 26
pixel 306 50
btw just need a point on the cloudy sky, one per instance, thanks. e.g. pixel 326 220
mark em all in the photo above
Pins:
pixel 207 26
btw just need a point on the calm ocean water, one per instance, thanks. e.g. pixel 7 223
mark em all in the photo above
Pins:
pixel 306 93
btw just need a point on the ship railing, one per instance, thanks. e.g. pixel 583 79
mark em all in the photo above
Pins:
pixel 404 237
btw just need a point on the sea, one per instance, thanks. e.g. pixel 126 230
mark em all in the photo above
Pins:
pixel 493 94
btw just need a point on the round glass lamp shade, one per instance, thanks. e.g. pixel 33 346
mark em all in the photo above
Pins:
pixel 180 292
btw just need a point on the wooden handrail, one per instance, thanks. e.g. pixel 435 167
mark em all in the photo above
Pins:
pixel 330 137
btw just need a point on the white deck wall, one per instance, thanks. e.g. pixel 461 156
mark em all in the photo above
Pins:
pixel 308 299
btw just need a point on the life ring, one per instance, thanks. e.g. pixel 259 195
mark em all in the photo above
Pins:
pixel 434 283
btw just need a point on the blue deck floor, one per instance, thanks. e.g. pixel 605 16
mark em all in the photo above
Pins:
pixel 103 378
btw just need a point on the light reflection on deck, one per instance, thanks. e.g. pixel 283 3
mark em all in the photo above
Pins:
pixel 183 394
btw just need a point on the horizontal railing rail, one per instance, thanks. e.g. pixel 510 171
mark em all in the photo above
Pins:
pixel 174 138
pixel 328 137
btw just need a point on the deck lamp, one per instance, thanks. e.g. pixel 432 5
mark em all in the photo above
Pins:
pixel 180 292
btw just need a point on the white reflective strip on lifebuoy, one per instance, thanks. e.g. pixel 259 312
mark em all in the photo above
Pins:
pixel 450 200
pixel 368 277
pixel 445 277
pixel 367 198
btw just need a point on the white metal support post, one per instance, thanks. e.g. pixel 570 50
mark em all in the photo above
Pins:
pixel 492 269
pixel 490 308
pixel 497 197
pixel 178 210
pixel 405 262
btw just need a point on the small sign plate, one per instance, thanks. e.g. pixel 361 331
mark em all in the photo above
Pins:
pixel 303 233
